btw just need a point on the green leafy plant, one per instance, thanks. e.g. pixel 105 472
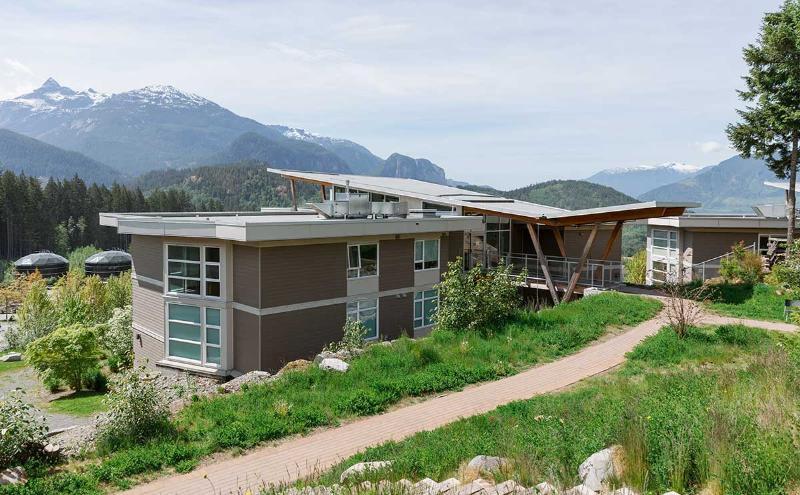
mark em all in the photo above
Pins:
pixel 743 265
pixel 22 430
pixel 66 354
pixel 137 409
pixel 636 268
pixel 117 337
pixel 353 334
pixel 38 316
pixel 476 299
pixel 77 257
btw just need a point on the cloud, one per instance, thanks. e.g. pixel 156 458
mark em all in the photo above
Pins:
pixel 373 28
pixel 709 146
pixel 15 78
pixel 15 66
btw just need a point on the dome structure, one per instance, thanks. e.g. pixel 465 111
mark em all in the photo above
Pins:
pixel 46 263
pixel 108 263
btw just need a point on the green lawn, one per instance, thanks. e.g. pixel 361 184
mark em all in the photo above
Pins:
pixel 381 377
pixel 718 408
pixel 84 403
pixel 759 302
pixel 11 366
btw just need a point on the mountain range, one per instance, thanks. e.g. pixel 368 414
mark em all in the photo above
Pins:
pixel 635 181
pixel 158 127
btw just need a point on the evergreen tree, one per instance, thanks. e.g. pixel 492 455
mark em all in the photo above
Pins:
pixel 769 126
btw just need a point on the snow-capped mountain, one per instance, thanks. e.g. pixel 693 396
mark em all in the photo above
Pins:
pixel 161 126
pixel 635 181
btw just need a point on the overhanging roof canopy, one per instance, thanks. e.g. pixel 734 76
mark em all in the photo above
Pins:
pixel 482 203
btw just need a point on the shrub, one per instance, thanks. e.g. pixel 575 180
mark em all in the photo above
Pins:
pixel 65 354
pixel 137 409
pixel 95 379
pixel 742 265
pixel 476 300
pixel 117 338
pixel 353 335
pixel 787 272
pixel 37 317
pixel 77 257
pixel 636 268
pixel 120 290
pixel 22 431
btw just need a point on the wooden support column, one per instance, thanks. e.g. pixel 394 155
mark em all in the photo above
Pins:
pixel 294 194
pixel 610 244
pixel 573 282
pixel 559 241
pixel 543 263
pixel 322 191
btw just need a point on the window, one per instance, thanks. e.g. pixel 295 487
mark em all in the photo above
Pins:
pixel 425 304
pixel 765 240
pixel 663 271
pixel 665 242
pixel 365 311
pixel 426 254
pixel 362 260
pixel 193 270
pixel 194 334
pixel 498 239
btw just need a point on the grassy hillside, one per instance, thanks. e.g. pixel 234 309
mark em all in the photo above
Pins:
pixel 240 186
pixel 570 194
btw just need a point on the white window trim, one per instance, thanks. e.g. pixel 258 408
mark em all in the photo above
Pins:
pixel 758 245
pixel 203 264
pixel 203 344
pixel 424 300
pixel 438 254
pixel 358 312
pixel 377 260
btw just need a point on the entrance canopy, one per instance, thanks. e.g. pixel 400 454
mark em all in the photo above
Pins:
pixel 485 204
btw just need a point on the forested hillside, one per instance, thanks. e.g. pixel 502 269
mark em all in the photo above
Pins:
pixel 63 214
pixel 240 186
pixel 570 194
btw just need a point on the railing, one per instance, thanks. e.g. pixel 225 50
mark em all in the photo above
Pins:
pixel 595 273
pixel 710 267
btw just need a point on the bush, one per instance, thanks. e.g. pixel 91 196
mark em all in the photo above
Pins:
pixel 117 338
pixel 77 257
pixel 353 335
pixel 95 379
pixel 137 409
pixel 67 354
pixel 742 265
pixel 636 268
pixel 37 317
pixel 119 290
pixel 476 300
pixel 22 431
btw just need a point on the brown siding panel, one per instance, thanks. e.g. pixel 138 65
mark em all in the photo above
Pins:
pixel 396 264
pixel 148 256
pixel 707 245
pixel 575 240
pixel 148 307
pixel 455 247
pixel 296 274
pixel 147 350
pixel 246 332
pixel 246 278
pixel 396 316
pixel 299 334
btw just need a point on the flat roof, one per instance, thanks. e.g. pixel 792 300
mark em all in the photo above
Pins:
pixel 720 221
pixel 476 202
pixel 278 225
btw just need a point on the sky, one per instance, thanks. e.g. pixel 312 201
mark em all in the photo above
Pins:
pixel 500 93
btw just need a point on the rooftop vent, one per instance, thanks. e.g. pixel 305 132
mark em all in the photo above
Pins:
pixel 108 263
pixel 47 263
pixel 359 206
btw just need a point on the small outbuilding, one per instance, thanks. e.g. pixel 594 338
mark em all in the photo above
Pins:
pixel 46 263
pixel 107 263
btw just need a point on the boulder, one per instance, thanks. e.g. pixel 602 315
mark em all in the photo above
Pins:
pixel 545 488
pixel 13 476
pixel 333 364
pixel 250 378
pixel 296 365
pixel 597 468
pixel 624 491
pixel 580 490
pixel 343 355
pixel 405 486
pixel 507 487
pixel 363 468
pixel 426 486
pixel 485 465
pixel 52 448
pixel 592 291
pixel 672 493
pixel 477 487
pixel 10 357
pixel 449 486
pixel 384 487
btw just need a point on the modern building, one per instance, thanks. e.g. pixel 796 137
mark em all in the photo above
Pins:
pixel 227 293
pixel 691 246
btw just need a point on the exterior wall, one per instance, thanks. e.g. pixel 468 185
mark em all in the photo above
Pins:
pixel 299 334
pixel 148 259
pixel 396 264
pixel 575 240
pixel 297 274
pixel 147 350
pixel 246 341
pixel 455 248
pixel 148 307
pixel 246 280
pixel 710 244
pixel 396 316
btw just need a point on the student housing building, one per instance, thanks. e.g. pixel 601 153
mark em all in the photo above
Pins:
pixel 227 293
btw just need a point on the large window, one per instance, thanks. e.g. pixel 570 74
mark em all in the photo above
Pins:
pixel 426 254
pixel 362 260
pixel 665 242
pixel 365 311
pixel 664 271
pixel 193 270
pixel 194 334
pixel 765 240
pixel 425 304
pixel 498 239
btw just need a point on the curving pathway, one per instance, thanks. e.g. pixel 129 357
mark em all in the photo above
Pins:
pixel 303 456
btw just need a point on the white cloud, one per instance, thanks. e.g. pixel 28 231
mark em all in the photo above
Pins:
pixel 373 28
pixel 16 66
pixel 709 146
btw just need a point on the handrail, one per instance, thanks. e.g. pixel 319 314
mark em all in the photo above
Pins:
pixel 751 247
